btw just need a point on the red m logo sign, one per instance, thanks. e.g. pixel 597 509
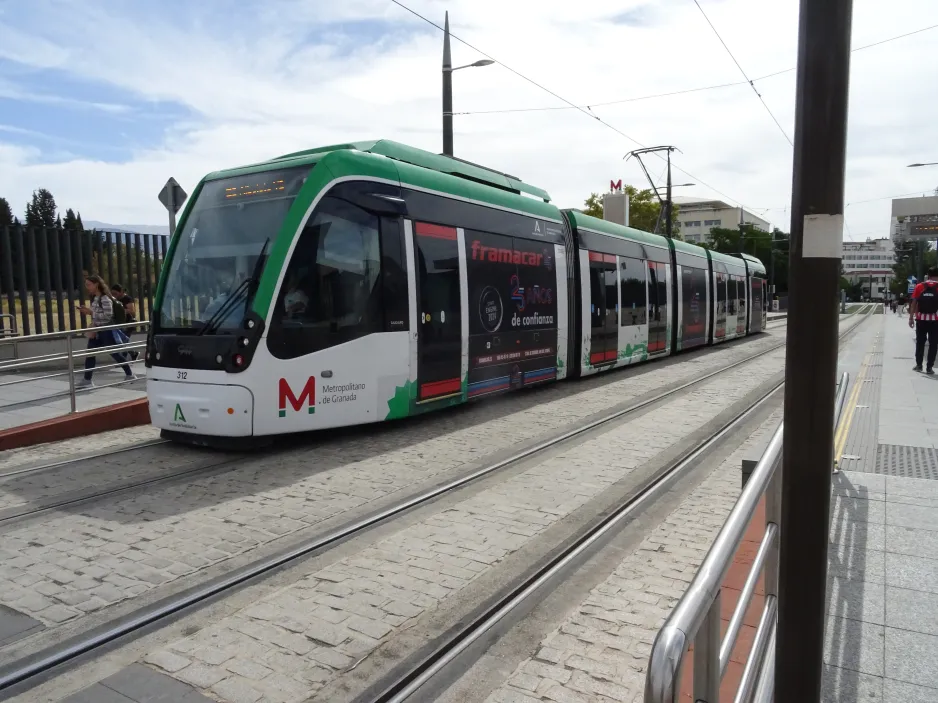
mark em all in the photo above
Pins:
pixel 308 396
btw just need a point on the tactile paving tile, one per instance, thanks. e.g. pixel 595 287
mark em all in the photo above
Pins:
pixel 910 462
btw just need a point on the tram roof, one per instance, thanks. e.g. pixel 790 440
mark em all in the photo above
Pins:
pixel 729 259
pixel 582 220
pixel 756 263
pixel 413 156
pixel 692 249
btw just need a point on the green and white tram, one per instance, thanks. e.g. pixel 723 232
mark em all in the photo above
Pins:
pixel 372 281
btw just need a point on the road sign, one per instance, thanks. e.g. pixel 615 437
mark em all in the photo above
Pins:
pixel 172 196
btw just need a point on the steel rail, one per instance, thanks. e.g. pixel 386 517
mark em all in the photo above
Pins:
pixel 41 662
pixel 87 457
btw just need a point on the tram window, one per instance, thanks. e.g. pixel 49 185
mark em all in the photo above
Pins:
pixel 612 295
pixel 330 292
pixel 597 293
pixel 634 298
pixel 394 275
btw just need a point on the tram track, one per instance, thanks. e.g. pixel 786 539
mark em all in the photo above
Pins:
pixel 42 663
pixel 78 497
pixel 421 677
pixel 23 470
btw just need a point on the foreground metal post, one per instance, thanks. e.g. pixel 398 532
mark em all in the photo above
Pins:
pixel 71 373
pixel 707 674
pixel 811 366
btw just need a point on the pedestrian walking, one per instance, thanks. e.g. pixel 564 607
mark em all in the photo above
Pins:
pixel 923 315
pixel 119 294
pixel 101 309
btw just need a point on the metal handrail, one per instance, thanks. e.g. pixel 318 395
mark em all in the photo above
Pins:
pixel 6 333
pixel 72 333
pixel 696 618
pixel 69 357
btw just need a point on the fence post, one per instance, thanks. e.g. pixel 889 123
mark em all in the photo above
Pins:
pixel 149 273
pixel 69 265
pixel 138 260
pixel 71 372
pixel 55 247
pixel 707 656
pixel 34 275
pixel 46 281
pixel 7 247
pixel 23 287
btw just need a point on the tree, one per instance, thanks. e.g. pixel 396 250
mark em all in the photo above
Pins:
pixel 6 214
pixel 72 223
pixel 912 258
pixel 594 206
pixel 644 210
pixel 41 212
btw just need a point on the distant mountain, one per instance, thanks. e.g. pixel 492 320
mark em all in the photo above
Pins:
pixel 139 229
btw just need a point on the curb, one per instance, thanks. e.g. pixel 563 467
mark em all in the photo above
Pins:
pixel 113 417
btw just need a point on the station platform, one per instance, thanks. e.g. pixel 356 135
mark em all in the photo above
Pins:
pixel 38 410
pixel 882 630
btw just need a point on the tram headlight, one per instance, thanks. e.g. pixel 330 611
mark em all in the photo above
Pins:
pixel 244 341
pixel 219 359
pixel 238 360
pixel 157 356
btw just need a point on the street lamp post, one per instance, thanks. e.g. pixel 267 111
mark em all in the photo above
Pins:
pixel 448 88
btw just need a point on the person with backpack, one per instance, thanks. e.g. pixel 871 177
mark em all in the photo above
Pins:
pixel 924 311
pixel 124 311
pixel 101 309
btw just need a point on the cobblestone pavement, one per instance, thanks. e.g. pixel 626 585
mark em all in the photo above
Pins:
pixel 89 476
pixel 80 561
pixel 600 652
pixel 69 448
pixel 285 647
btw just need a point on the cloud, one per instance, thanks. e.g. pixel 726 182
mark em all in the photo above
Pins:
pixel 227 87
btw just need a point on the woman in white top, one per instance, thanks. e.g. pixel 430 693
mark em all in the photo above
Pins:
pixel 101 310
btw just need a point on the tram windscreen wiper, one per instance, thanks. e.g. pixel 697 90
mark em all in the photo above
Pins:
pixel 248 284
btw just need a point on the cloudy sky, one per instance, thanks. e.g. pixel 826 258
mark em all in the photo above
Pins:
pixel 102 100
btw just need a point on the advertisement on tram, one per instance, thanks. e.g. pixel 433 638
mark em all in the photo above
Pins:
pixel 512 286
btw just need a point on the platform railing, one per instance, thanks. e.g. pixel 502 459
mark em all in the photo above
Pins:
pixel 9 326
pixel 696 619
pixel 69 356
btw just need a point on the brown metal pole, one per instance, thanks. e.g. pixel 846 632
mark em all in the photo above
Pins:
pixel 811 364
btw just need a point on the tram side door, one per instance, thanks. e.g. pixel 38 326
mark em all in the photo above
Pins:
pixel 719 329
pixel 604 307
pixel 439 312
pixel 756 311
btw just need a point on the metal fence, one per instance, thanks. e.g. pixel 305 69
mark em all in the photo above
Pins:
pixel 42 274
pixel 696 618
pixel 69 358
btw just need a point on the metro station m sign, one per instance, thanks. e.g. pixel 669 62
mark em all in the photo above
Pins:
pixel 307 396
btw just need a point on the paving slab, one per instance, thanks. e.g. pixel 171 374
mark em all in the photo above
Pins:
pixel 883 557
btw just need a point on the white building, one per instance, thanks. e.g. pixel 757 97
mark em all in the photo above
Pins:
pixel 698 217
pixel 869 263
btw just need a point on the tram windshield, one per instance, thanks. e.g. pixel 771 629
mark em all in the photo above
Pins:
pixel 223 246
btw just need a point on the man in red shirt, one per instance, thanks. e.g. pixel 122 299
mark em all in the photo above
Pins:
pixel 924 312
